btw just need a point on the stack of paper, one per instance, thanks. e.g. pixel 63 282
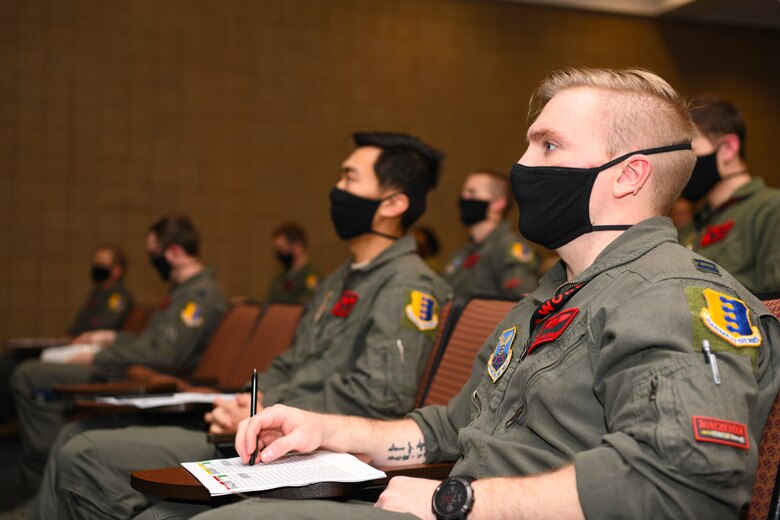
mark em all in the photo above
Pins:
pixel 64 353
pixel 225 476
pixel 155 401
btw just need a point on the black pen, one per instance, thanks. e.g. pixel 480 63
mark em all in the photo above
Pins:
pixel 253 412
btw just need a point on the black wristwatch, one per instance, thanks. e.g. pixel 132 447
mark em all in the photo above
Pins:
pixel 453 499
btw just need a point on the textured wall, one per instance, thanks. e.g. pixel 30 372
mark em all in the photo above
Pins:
pixel 239 113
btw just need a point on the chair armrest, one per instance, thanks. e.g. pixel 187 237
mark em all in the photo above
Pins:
pixel 115 388
pixel 222 438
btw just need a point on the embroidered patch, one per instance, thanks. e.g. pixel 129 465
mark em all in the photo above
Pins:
pixel 718 431
pixel 311 281
pixel 553 327
pixel 705 266
pixel 422 310
pixel 346 303
pixel 471 261
pixel 729 318
pixel 116 303
pixel 521 252
pixel 511 284
pixel 502 354
pixel 716 233
pixel 166 301
pixel 192 315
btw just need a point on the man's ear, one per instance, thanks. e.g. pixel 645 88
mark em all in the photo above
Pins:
pixel 395 206
pixel 729 148
pixel 498 206
pixel 633 176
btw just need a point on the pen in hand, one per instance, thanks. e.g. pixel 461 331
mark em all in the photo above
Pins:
pixel 253 411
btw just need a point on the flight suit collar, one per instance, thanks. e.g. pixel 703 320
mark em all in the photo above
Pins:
pixel 207 272
pixel 404 246
pixel 629 246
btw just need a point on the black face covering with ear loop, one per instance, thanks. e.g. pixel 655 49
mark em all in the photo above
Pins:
pixel 704 177
pixel 353 215
pixel 554 201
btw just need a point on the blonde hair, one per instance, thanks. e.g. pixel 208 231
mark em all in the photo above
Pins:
pixel 643 111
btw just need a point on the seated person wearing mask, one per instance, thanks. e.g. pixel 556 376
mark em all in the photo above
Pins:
pixel 299 278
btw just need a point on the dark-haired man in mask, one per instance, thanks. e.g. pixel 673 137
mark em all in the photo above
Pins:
pixel 634 382
pixel 172 341
pixel 739 224
pixel 359 349
pixel 496 261
pixel 299 278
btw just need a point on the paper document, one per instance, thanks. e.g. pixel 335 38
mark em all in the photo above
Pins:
pixel 155 401
pixel 64 353
pixel 225 476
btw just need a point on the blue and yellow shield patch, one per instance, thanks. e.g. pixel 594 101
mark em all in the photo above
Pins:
pixel 311 281
pixel 502 354
pixel 521 252
pixel 116 303
pixel 422 310
pixel 192 315
pixel 729 318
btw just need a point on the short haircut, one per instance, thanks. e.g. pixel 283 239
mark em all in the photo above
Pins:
pixel 405 163
pixel 641 110
pixel 499 186
pixel 179 230
pixel 716 117
pixel 118 256
pixel 292 231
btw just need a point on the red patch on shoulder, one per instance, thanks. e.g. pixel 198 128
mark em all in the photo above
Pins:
pixel 553 327
pixel 719 431
pixel 471 261
pixel 716 233
pixel 346 303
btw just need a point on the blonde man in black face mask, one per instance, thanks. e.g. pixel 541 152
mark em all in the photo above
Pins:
pixel 593 398
pixel 739 225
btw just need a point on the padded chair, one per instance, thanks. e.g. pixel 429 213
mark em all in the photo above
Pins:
pixel 139 316
pixel 447 317
pixel 765 502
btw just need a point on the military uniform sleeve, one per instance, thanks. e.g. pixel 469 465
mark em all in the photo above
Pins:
pixel 81 322
pixel 516 265
pixel 273 381
pixel 114 311
pixel 767 229
pixel 171 343
pixel 679 444
pixel 440 424
pixel 394 348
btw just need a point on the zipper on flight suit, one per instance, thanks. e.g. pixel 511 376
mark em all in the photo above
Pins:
pixel 535 332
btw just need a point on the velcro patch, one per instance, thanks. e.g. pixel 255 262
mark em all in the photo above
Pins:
pixel 471 261
pixel 521 252
pixel 553 327
pixel 719 431
pixel 502 354
pixel 716 233
pixel 192 315
pixel 311 282
pixel 116 303
pixel 345 304
pixel 729 318
pixel 422 311
pixel 705 266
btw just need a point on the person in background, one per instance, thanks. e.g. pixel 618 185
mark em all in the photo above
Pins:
pixel 428 247
pixel 682 217
pixel 497 261
pixel 738 226
pixel 299 278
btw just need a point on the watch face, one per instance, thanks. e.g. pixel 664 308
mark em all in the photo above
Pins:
pixel 450 499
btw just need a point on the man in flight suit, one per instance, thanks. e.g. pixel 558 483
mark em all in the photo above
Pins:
pixel 299 279
pixel 633 383
pixel 109 303
pixel 739 225
pixel 360 347
pixel 497 261
pixel 172 341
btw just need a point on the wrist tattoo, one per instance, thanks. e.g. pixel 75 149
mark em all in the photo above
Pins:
pixel 406 452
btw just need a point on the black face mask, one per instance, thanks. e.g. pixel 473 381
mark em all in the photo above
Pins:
pixel 554 201
pixel 286 259
pixel 162 266
pixel 472 210
pixel 99 273
pixel 704 177
pixel 352 215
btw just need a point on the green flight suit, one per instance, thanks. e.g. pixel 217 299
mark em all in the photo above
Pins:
pixel 743 236
pixel 616 383
pixel 360 348
pixel 503 264
pixel 104 309
pixel 294 286
pixel 172 341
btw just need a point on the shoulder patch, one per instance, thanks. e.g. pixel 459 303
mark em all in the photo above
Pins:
pixel 311 281
pixel 499 360
pixel 471 261
pixel 116 302
pixel 192 315
pixel 716 233
pixel 719 431
pixel 422 311
pixel 345 304
pixel 521 252
pixel 705 266
pixel 552 328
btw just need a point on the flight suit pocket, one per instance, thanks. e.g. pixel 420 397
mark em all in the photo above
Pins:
pixel 693 424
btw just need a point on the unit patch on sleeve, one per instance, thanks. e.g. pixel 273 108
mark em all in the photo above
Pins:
pixel 719 431
pixel 116 303
pixel 192 315
pixel 421 311
pixel 345 304
pixel 502 354
pixel 311 281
